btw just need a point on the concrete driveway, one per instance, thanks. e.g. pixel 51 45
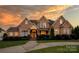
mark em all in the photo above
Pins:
pixel 33 45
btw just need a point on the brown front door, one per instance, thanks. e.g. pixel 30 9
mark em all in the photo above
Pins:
pixel 33 34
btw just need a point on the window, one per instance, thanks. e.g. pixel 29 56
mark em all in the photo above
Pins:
pixel 16 33
pixel 64 31
pixel 40 25
pixel 44 25
pixel 11 33
pixel 68 31
pixel 24 33
pixel 56 31
pixel 43 32
pixel 26 22
pixel 61 21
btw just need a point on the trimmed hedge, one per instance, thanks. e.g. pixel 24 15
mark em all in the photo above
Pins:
pixel 43 37
pixel 15 38
pixel 58 37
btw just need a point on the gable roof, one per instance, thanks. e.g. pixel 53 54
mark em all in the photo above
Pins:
pixel 22 22
pixel 34 21
pixel 43 18
pixel 33 24
pixel 13 29
pixel 64 24
pixel 50 22
pixel 1 29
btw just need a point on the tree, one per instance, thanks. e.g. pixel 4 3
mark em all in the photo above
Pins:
pixel 52 33
pixel 5 36
pixel 75 32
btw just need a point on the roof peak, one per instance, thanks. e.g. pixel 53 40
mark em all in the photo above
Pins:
pixel 26 18
pixel 43 17
pixel 61 17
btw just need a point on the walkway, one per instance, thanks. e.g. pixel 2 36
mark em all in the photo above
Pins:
pixel 19 49
pixel 33 45
pixel 52 44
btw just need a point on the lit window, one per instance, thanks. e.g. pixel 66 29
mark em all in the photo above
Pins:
pixel 16 33
pixel 43 32
pixel 26 22
pixel 56 31
pixel 61 21
pixel 11 33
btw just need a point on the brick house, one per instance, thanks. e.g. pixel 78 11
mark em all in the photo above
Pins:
pixel 13 31
pixel 23 29
pixel 41 27
pixel 62 26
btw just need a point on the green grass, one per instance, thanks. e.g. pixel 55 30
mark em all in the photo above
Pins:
pixel 58 49
pixel 4 44
pixel 47 41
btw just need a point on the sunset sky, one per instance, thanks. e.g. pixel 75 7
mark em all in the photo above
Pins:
pixel 12 15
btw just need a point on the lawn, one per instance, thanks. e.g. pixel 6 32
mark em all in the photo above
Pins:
pixel 47 41
pixel 4 44
pixel 58 49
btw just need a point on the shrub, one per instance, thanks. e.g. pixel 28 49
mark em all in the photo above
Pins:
pixel 15 38
pixel 43 37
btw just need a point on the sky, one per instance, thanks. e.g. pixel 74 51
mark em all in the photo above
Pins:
pixel 12 15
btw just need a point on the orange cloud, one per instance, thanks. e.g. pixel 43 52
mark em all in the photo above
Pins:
pixel 51 12
pixel 9 19
pixel 13 17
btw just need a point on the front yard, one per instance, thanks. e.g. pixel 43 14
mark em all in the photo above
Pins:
pixel 47 41
pixel 58 49
pixel 4 44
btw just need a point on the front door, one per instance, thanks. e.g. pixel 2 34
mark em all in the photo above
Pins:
pixel 33 34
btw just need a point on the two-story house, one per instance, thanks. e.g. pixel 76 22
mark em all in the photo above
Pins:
pixel 62 26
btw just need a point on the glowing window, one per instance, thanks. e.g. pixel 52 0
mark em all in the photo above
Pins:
pixel 11 33
pixel 16 33
pixel 43 32
pixel 61 21
pixel 33 30
pixel 26 22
